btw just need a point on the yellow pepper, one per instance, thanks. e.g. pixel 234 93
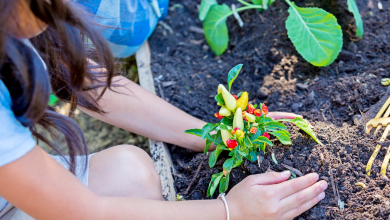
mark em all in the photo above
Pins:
pixel 230 101
pixel 224 111
pixel 237 120
pixel 242 102
pixel 225 136
pixel 249 117
pixel 240 134
pixel 220 88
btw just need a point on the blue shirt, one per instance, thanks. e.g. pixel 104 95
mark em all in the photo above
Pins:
pixel 15 139
pixel 127 24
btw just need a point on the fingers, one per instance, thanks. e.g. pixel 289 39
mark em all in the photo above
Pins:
pixel 295 185
pixel 302 197
pixel 303 208
pixel 269 178
pixel 283 115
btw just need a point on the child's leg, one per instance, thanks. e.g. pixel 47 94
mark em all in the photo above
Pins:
pixel 124 170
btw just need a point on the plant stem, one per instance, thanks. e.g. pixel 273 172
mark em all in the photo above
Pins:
pixel 289 3
pixel 244 2
pixel 245 8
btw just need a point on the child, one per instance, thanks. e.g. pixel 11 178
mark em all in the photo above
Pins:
pixel 117 183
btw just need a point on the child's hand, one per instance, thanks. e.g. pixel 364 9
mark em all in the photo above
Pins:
pixel 270 196
pixel 283 115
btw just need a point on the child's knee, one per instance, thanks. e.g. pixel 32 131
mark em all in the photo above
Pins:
pixel 125 171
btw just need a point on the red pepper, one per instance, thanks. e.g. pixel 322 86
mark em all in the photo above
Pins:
pixel 235 97
pixel 251 109
pixel 253 130
pixel 264 109
pixel 257 112
pixel 218 116
pixel 231 144
pixel 265 134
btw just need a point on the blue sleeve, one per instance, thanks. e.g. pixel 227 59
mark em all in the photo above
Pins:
pixel 15 139
pixel 127 24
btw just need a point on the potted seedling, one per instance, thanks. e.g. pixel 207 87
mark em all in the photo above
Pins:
pixel 244 131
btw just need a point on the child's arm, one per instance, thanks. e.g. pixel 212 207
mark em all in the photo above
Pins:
pixel 42 188
pixel 135 109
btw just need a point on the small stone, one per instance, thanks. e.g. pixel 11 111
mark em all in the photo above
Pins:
pixel 346 55
pixel 302 86
pixel 295 107
pixel 205 47
pixel 311 95
pixel 385 178
pixel 353 47
pixel 341 66
pixel 262 92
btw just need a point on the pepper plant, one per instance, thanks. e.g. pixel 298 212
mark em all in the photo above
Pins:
pixel 314 32
pixel 244 130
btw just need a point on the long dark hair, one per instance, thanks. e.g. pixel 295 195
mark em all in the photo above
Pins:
pixel 64 46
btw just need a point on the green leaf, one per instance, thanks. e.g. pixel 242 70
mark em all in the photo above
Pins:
pixel 205 7
pixel 255 136
pixel 302 124
pixel 214 155
pixel 196 131
pixel 264 140
pixel 214 183
pixel 237 153
pixel 219 99
pixel 262 147
pixel 244 153
pixel 275 125
pixel 352 7
pixel 228 164
pixel 238 162
pixel 233 73
pixel 217 138
pixel 227 121
pixel 53 100
pixel 223 127
pixel 239 94
pixel 208 143
pixel 215 28
pixel 224 183
pixel 315 34
pixel 208 128
pixel 252 157
pixel 283 136
pixel 248 142
pixel 265 119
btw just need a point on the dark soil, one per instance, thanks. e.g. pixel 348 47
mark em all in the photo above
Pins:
pixel 333 98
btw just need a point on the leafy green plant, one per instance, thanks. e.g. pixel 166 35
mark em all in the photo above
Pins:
pixel 243 130
pixel 314 32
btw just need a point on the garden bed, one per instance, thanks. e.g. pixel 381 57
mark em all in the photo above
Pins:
pixel 334 98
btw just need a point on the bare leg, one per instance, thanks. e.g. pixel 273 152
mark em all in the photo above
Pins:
pixel 124 171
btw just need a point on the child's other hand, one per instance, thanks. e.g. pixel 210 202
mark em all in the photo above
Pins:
pixel 283 115
pixel 270 196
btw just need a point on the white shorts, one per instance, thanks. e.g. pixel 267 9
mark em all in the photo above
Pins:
pixel 10 212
